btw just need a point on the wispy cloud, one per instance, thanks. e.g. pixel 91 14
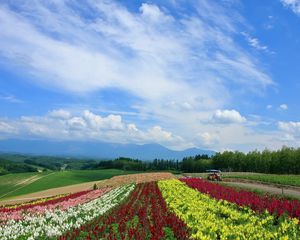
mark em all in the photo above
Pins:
pixel 148 53
pixel 10 98
pixel 254 42
pixel 182 67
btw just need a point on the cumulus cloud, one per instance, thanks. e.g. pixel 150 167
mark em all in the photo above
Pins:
pixel 289 126
pixel 294 5
pixel 209 139
pixel 228 116
pixel 111 122
pixel 62 125
pixel 60 114
pixel 289 132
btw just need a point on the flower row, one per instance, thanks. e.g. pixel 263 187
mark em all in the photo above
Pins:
pixel 144 215
pixel 5 208
pixel 62 204
pixel 209 218
pixel 259 203
pixel 55 222
pixel 42 202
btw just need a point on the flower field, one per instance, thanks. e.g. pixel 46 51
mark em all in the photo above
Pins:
pixel 276 206
pixel 143 216
pixel 209 218
pixel 160 209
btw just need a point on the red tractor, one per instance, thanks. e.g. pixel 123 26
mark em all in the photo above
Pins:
pixel 214 175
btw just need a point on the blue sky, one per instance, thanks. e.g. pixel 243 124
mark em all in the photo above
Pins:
pixel 210 74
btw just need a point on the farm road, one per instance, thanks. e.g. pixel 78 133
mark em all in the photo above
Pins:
pixel 293 191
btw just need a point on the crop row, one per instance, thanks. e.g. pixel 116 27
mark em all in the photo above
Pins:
pixel 259 203
pixel 62 204
pixel 54 222
pixel 144 215
pixel 38 201
pixel 41 202
pixel 209 218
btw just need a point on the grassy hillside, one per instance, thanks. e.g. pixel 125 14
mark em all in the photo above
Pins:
pixel 11 184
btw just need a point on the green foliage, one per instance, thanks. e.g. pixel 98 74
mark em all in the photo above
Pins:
pixel 7 166
pixel 169 235
pixel 199 163
pixel 138 165
pixel 283 161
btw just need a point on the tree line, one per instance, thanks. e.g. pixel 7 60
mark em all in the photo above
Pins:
pixel 283 161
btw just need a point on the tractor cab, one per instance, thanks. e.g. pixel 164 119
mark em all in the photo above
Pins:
pixel 214 175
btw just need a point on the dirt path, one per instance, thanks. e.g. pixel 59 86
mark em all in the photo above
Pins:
pixel 294 192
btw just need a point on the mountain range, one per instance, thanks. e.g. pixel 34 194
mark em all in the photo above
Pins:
pixel 96 149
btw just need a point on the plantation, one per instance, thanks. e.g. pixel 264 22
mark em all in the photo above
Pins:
pixel 164 208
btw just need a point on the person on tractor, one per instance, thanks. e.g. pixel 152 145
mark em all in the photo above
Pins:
pixel 214 175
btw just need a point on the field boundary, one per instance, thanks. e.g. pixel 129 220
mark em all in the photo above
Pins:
pixel 277 185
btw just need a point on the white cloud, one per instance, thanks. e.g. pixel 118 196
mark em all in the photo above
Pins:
pixel 209 139
pixel 152 12
pixel 60 114
pixel 289 133
pixel 269 106
pixel 112 122
pixel 289 126
pixel 254 42
pixel 175 65
pixel 87 126
pixel 7 128
pixel 283 107
pixel 294 5
pixel 10 98
pixel 228 116
pixel 155 60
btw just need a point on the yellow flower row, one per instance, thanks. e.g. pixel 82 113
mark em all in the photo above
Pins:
pixel 37 201
pixel 209 218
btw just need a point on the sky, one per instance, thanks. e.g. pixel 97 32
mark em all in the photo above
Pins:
pixel 212 74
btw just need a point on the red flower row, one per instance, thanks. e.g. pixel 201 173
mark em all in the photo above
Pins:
pixel 144 215
pixel 47 202
pixel 258 203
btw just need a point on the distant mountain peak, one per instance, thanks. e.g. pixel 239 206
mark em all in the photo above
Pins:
pixel 104 150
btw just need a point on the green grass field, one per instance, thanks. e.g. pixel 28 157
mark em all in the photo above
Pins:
pixel 11 184
pixel 293 180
